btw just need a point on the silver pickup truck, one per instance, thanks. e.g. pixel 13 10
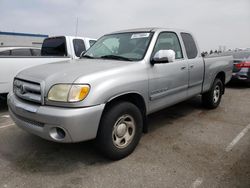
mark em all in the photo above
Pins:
pixel 108 93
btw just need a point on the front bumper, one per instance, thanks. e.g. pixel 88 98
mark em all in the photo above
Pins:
pixel 79 124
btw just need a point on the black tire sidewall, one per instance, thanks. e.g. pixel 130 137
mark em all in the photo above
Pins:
pixel 109 118
pixel 217 82
pixel 207 98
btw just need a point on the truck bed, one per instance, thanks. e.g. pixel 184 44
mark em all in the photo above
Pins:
pixel 10 66
pixel 212 67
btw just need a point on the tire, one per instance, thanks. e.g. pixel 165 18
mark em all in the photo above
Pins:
pixel 120 130
pixel 212 98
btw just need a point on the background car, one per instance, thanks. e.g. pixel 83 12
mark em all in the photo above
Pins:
pixel 241 65
pixel 241 69
pixel 20 51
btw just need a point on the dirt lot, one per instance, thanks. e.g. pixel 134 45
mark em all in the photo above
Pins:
pixel 187 146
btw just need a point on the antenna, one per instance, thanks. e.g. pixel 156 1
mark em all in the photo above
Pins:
pixel 76 26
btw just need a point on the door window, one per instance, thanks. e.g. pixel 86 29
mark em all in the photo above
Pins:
pixel 79 46
pixel 168 41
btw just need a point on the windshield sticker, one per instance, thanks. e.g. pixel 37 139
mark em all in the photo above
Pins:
pixel 140 35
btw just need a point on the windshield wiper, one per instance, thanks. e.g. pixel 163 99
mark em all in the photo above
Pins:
pixel 115 57
pixel 87 56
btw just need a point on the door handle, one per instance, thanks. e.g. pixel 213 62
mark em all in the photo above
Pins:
pixel 183 68
pixel 191 66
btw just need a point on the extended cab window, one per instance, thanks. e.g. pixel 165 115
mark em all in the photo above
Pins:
pixel 79 46
pixel 54 47
pixel 21 52
pixel 168 41
pixel 190 45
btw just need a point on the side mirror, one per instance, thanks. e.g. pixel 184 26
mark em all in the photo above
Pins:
pixel 83 52
pixel 163 56
pixel 203 54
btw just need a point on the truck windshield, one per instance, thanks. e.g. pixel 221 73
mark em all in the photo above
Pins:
pixel 121 46
pixel 55 46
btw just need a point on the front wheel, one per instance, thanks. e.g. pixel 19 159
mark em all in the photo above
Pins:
pixel 212 98
pixel 120 130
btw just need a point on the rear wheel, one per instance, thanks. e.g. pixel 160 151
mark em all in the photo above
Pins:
pixel 120 130
pixel 212 98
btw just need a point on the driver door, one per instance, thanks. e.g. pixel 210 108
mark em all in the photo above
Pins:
pixel 168 82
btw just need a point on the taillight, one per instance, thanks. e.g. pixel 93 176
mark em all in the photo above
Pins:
pixel 243 65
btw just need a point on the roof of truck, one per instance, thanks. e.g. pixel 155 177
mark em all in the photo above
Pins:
pixel 72 37
pixel 149 29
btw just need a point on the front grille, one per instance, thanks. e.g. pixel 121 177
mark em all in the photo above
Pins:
pixel 26 90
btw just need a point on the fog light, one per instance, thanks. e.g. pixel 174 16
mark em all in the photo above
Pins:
pixel 57 133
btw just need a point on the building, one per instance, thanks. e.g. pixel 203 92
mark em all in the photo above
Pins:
pixel 21 39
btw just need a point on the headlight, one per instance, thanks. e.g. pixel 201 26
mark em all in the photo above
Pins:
pixel 68 92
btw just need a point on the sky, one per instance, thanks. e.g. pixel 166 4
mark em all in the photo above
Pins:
pixel 213 23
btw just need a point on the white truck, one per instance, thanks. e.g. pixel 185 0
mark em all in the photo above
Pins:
pixel 54 49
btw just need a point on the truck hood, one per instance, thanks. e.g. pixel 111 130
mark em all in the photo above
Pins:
pixel 69 71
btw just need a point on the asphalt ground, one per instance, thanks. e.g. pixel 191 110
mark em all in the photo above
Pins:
pixel 187 146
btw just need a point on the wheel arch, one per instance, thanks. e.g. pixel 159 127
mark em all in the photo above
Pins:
pixel 222 76
pixel 133 97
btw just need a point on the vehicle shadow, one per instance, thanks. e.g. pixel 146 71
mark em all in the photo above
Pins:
pixel 30 154
pixel 3 104
pixel 238 85
pixel 169 115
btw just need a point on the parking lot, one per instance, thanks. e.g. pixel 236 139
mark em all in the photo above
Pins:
pixel 187 146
